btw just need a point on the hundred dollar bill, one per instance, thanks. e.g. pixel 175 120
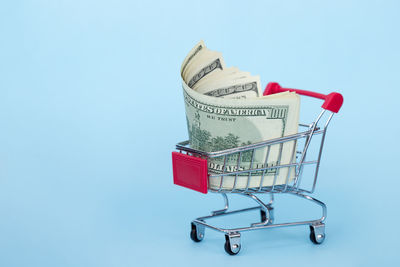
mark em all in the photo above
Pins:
pixel 227 73
pixel 221 79
pixel 192 54
pixel 221 123
pixel 206 62
pixel 246 87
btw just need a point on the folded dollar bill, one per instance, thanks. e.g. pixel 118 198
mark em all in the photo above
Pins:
pixel 227 110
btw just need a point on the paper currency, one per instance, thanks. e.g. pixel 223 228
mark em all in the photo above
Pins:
pixel 228 73
pixel 246 87
pixel 224 113
pixel 192 54
pixel 217 124
pixel 205 63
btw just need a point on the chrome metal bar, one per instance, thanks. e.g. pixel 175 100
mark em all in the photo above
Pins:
pixel 298 173
pixel 218 212
pixel 198 221
pixel 236 176
pixel 271 200
pixel 184 145
pixel 258 145
pixel 228 213
pixel 201 221
pixel 264 207
pixel 259 201
pixel 250 168
pixel 265 166
pixel 308 140
pixel 261 169
pixel 329 120
pixel 278 164
pixel 320 152
pixel 243 229
pixel 223 170
pixel 320 203
pixel 290 168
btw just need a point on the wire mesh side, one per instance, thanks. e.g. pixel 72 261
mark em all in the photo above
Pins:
pixel 241 169
pixel 268 177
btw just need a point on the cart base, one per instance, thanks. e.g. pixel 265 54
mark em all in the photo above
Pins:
pixel 232 236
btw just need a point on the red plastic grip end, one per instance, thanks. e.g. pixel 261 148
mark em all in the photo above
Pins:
pixel 333 102
pixel 190 172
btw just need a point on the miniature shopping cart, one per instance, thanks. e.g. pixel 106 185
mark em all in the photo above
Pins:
pixel 190 169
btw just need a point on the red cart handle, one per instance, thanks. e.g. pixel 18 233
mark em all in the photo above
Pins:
pixel 333 101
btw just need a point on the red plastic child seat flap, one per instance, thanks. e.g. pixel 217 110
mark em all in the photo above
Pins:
pixel 190 172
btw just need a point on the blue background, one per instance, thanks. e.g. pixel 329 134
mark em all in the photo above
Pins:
pixel 91 108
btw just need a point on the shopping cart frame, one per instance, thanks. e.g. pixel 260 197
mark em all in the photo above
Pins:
pixel 191 170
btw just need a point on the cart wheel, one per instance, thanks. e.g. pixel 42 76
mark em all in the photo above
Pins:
pixel 232 249
pixel 317 234
pixel 195 234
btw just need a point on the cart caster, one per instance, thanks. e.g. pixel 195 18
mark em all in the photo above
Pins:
pixel 264 215
pixel 232 243
pixel 317 233
pixel 197 232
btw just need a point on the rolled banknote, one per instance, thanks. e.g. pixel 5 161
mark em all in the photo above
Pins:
pixel 228 73
pixel 244 87
pixel 192 55
pixel 216 123
pixel 203 64
pixel 204 71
